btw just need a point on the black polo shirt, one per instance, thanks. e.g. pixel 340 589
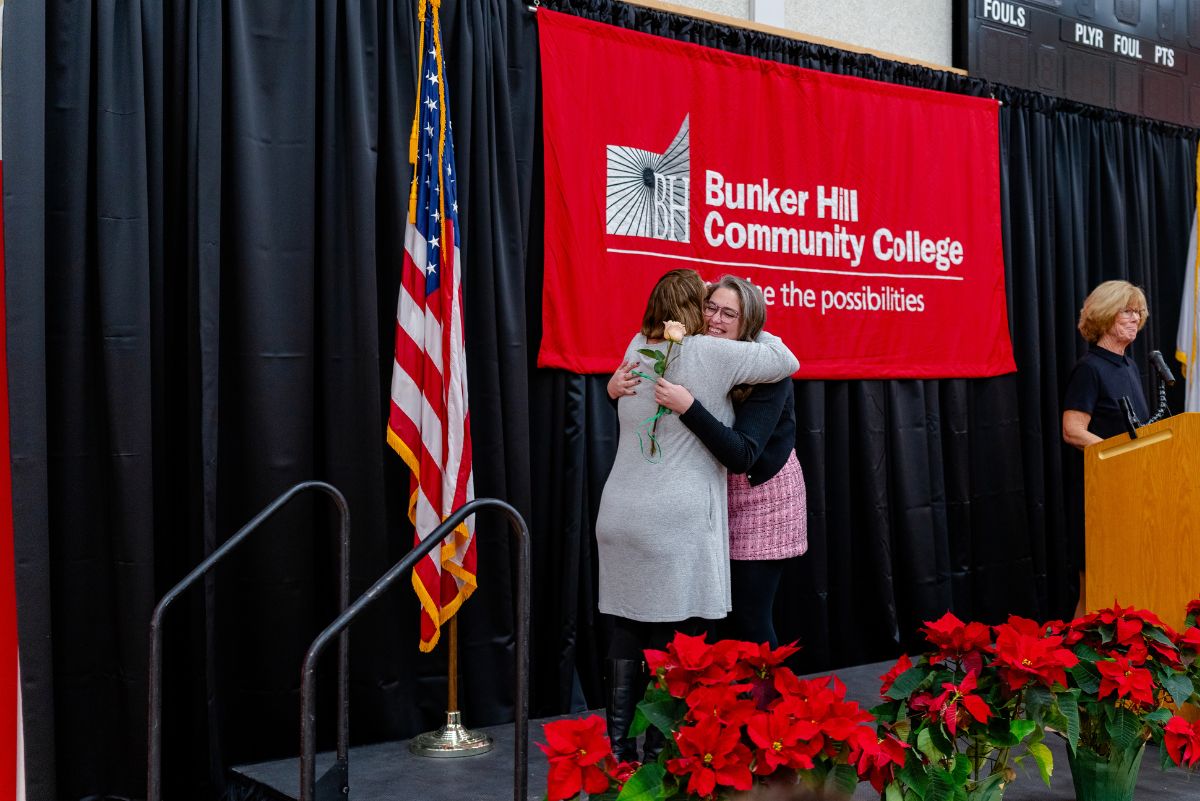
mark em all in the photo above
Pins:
pixel 1097 384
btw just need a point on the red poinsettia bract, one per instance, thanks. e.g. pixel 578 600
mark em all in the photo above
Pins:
pixel 1126 621
pixel 690 662
pixel 889 678
pixel 722 702
pixel 821 702
pixel 1189 641
pixel 579 753
pixel 1193 611
pixel 1024 654
pixel 1182 741
pixel 966 642
pixel 956 704
pixel 763 662
pixel 876 757
pixel 781 741
pixel 711 755
pixel 1127 680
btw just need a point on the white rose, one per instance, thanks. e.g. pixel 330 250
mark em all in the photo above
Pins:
pixel 674 331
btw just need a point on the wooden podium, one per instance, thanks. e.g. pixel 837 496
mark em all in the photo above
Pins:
pixel 1142 517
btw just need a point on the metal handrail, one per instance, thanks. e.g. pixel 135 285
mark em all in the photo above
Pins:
pixel 307 671
pixel 154 757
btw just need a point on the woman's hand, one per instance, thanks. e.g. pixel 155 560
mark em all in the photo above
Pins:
pixel 673 396
pixel 623 381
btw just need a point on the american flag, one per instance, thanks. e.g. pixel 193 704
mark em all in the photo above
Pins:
pixel 429 425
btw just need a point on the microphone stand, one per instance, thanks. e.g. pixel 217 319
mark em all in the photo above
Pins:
pixel 1165 379
pixel 1162 410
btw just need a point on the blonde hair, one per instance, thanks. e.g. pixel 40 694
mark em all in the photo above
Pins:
pixel 1105 303
pixel 678 295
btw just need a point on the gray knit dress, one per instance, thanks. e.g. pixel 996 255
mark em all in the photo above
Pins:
pixel 662 530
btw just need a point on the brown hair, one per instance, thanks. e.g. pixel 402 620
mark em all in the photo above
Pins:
pixel 752 317
pixel 1105 303
pixel 678 295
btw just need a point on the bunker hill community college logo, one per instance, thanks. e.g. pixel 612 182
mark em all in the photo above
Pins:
pixel 647 193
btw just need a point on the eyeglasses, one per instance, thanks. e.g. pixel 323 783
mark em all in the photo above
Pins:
pixel 727 314
pixel 1138 313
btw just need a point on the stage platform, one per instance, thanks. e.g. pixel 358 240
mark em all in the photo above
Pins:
pixel 388 772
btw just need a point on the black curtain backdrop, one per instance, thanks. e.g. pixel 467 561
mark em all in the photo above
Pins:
pixel 204 209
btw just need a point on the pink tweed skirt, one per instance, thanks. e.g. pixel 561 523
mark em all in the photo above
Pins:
pixel 769 521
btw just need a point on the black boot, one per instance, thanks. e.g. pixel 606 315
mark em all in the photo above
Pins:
pixel 624 691
pixel 652 746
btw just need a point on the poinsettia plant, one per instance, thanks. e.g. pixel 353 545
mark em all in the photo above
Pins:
pixel 734 716
pixel 972 708
pixel 1130 678
pixel 1181 737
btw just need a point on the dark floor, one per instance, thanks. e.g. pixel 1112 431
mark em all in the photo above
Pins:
pixel 388 772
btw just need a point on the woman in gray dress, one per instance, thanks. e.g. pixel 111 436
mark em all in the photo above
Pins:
pixel 662 530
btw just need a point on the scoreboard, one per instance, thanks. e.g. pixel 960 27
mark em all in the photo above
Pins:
pixel 1136 56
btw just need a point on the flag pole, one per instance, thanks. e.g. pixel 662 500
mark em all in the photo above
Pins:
pixel 451 740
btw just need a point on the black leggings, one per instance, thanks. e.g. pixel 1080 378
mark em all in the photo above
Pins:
pixel 631 637
pixel 753 584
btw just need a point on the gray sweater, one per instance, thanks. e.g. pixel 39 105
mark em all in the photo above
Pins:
pixel 662 531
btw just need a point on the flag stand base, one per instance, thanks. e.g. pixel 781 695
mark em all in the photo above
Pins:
pixel 452 740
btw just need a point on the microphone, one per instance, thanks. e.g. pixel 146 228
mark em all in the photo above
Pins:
pixel 1131 421
pixel 1164 372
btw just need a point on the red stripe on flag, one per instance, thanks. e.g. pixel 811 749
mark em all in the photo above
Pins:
pixel 430 356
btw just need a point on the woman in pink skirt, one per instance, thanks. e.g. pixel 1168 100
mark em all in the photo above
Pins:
pixel 768 516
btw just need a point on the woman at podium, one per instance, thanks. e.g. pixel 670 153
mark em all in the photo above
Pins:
pixel 1111 317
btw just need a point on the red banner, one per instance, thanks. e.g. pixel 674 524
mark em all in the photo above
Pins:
pixel 869 213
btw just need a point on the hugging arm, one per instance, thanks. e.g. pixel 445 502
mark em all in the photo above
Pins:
pixel 738 446
pixel 763 361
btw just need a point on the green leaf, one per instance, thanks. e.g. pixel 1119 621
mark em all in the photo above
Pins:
pixel 1159 716
pixel 644 785
pixel 961 771
pixel 1068 706
pixel 1179 686
pixel 941 785
pixel 989 789
pixel 1164 759
pixel 1087 677
pixel 660 367
pixel 640 723
pixel 1124 728
pixel 914 777
pixel 1158 635
pixel 926 747
pixel 888 711
pixel 1000 733
pixel 841 781
pixel 651 352
pixel 941 741
pixel 1037 699
pixel 906 682
pixel 1021 728
pixel 662 713
pixel 1044 759
pixel 902 729
pixel 893 792
pixel 1087 653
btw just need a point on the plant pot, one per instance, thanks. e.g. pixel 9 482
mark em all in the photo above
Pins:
pixel 1098 778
